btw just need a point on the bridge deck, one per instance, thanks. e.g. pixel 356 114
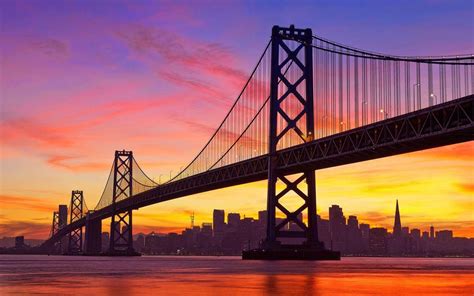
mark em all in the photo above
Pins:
pixel 444 124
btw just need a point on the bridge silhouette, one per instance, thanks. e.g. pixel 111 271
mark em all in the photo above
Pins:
pixel 308 104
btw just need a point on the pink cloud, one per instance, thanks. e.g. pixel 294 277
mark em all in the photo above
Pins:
pixel 12 202
pixel 45 135
pixel 207 58
pixel 71 163
pixel 212 94
pixel 50 47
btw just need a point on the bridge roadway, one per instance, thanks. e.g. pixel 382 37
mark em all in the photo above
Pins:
pixel 443 124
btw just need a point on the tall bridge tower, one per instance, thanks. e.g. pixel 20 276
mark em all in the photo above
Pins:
pixel 300 91
pixel 56 249
pixel 76 211
pixel 121 235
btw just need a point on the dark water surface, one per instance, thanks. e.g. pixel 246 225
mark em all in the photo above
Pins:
pixel 64 275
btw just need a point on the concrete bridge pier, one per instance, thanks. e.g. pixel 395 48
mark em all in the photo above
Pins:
pixel 93 240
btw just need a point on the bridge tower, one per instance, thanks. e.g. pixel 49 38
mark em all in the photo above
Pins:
pixel 56 249
pixel 284 56
pixel 121 234
pixel 55 225
pixel 76 211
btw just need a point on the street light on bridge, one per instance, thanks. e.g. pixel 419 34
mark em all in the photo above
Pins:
pixel 383 112
pixel 433 96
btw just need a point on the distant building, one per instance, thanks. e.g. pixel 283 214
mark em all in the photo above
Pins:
pixel 397 243
pixel 425 235
pixel 139 243
pixel 218 221
pixel 364 232
pixel 262 217
pixel 415 233
pixel 354 236
pixel 324 234
pixel 444 235
pixel 262 225
pixel 218 226
pixel 414 242
pixel 397 225
pixel 20 242
pixel 405 231
pixel 432 232
pixel 247 233
pixel 378 241
pixel 152 243
pixel 206 229
pixel 337 225
pixel 233 220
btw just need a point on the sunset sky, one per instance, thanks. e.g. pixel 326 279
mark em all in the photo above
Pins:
pixel 81 79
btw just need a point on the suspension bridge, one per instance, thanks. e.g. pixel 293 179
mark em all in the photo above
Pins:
pixel 308 104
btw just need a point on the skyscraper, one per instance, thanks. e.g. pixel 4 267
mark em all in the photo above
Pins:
pixel 364 231
pixel 233 220
pixel 397 226
pixel 218 222
pixel 337 226
pixel 352 222
pixel 378 241
pixel 218 226
pixel 354 236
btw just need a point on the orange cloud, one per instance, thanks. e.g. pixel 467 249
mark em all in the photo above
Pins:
pixel 467 187
pixel 14 202
pixel 26 228
pixel 463 151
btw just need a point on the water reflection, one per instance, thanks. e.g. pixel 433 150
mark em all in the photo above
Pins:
pixel 221 276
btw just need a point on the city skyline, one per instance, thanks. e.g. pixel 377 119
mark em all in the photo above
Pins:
pixel 230 234
pixel 361 220
pixel 122 79
pixel 397 229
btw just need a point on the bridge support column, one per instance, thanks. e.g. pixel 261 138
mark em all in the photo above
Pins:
pixel 121 231
pixel 298 91
pixel 56 247
pixel 76 211
pixel 93 240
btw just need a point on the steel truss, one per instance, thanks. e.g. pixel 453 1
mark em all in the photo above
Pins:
pixel 57 247
pixel 75 236
pixel 121 234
